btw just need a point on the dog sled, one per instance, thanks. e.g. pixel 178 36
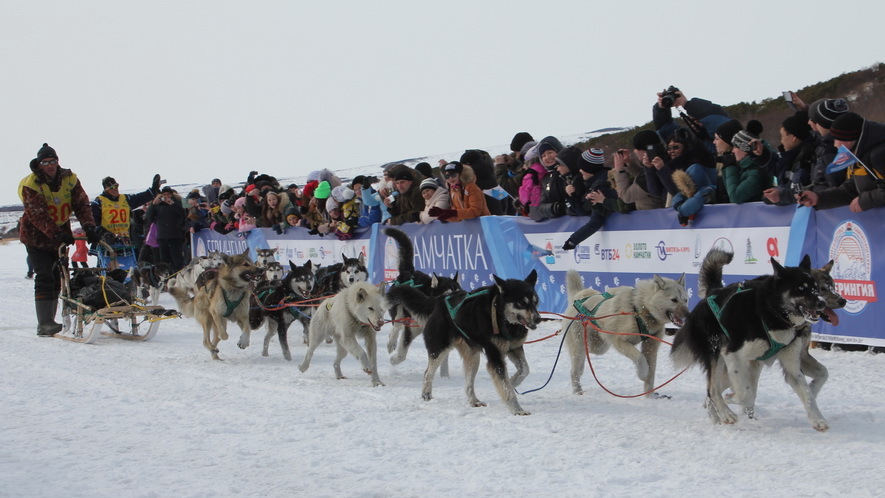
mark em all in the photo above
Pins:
pixel 95 297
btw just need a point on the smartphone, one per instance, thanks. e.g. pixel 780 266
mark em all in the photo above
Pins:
pixel 788 97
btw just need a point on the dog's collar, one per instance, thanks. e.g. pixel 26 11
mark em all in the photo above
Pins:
pixel 774 346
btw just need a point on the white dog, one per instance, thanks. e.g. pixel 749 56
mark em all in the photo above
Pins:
pixel 355 312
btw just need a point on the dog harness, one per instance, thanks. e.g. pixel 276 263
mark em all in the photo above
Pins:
pixel 774 346
pixel 231 305
pixel 453 310
pixel 582 310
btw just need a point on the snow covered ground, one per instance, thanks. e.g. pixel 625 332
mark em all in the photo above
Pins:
pixel 161 418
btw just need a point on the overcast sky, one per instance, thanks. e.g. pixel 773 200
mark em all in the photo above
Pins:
pixel 201 89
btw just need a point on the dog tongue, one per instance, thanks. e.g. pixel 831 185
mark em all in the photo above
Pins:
pixel 832 317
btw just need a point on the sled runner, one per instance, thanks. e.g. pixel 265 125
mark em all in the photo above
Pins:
pixel 92 298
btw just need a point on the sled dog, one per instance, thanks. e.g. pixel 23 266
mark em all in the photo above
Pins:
pixel 147 280
pixel 628 311
pixel 282 303
pixel 737 329
pixel 493 320
pixel 356 312
pixel 331 279
pixel 224 298
pixel 264 257
pixel 432 285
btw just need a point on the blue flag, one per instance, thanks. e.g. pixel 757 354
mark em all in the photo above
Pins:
pixel 496 192
pixel 844 158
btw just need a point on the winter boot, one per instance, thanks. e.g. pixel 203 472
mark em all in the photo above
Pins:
pixel 46 325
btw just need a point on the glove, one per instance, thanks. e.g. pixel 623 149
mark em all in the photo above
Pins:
pixel 442 214
pixel 279 229
pixel 105 235
pixel 92 234
pixel 728 159
pixel 64 237
pixel 569 245
pixel 155 184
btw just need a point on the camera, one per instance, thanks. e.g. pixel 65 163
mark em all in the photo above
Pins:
pixel 655 150
pixel 669 96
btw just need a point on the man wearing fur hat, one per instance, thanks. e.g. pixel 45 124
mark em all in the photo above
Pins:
pixel 50 194
pixel 864 187
pixel 112 210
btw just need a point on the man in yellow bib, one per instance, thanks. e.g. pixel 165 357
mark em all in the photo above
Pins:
pixel 50 194
pixel 112 210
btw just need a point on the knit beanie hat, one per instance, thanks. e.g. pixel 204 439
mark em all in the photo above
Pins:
pixel 847 127
pixel 428 183
pixel 825 111
pixel 592 161
pixel 240 202
pixel 797 125
pixel 645 138
pixel 544 147
pixel 108 181
pixel 728 129
pixel 526 147
pixel 323 190
pixel 425 169
pixel 46 152
pixel 568 157
pixel 404 174
pixel 519 140
pixel 342 194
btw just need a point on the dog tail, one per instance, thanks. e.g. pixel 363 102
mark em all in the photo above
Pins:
pixel 573 284
pixel 185 302
pixel 418 304
pixel 406 249
pixel 710 276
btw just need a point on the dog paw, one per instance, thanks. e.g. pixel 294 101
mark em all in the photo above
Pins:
pixel 426 396
pixel 287 355
pixel 377 383
pixel 265 354
pixel 303 367
pixel 521 412
pixel 820 425
pixel 478 404
pixel 340 377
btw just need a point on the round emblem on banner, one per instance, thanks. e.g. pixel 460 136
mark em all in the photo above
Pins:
pixel 852 269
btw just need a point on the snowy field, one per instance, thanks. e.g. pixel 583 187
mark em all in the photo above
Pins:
pixel 160 418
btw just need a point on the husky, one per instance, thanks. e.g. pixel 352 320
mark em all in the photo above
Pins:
pixel 331 279
pixel 224 298
pixel 493 320
pixel 282 303
pixel 264 257
pixel 356 312
pixel 186 278
pixel 274 273
pixel 147 280
pixel 432 285
pixel 628 312
pixel 741 327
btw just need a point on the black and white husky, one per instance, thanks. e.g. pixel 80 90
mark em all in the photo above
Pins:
pixel 493 320
pixel 330 280
pixel 741 327
pixel 283 302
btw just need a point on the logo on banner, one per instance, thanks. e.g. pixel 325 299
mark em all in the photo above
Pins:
pixel 637 250
pixel 852 271
pixel 391 260
pixel 665 251
pixel 750 259
pixel 582 253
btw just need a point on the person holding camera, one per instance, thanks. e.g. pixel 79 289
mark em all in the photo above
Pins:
pixel 112 210
pixel 793 171
pixel 406 205
pixel 170 216
pixel 49 195
pixel 197 212
pixel 687 175
pixel 629 176
pixel 699 115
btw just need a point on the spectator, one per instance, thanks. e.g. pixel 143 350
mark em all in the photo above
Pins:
pixel 434 197
pixel 317 216
pixel 349 208
pixel 370 206
pixel 49 194
pixel 467 199
pixel 539 167
pixel 864 187
pixel 629 177
pixel 169 215
pixel 744 160
pixel 197 212
pixel 690 169
pixel 408 203
pixel 821 115
pixel 211 191
pixel 562 190
pixel 701 116
pixel 484 170
pixel 600 199
pixel 793 171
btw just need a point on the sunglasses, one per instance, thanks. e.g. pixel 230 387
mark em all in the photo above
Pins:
pixel 450 174
pixel 47 163
pixel 111 187
pixel 674 147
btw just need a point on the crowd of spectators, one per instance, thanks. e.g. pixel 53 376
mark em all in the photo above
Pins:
pixel 702 156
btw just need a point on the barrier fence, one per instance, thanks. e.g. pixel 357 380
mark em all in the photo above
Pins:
pixel 631 246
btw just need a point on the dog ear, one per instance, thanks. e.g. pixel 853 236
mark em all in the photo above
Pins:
pixel 681 280
pixel 778 268
pixel 805 264
pixel 434 282
pixel 498 282
pixel 827 267
pixel 455 278
pixel 659 282
pixel 361 295
pixel 532 279
pixel 362 259
pixel 225 258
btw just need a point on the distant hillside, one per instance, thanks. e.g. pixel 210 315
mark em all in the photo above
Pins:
pixel 864 90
